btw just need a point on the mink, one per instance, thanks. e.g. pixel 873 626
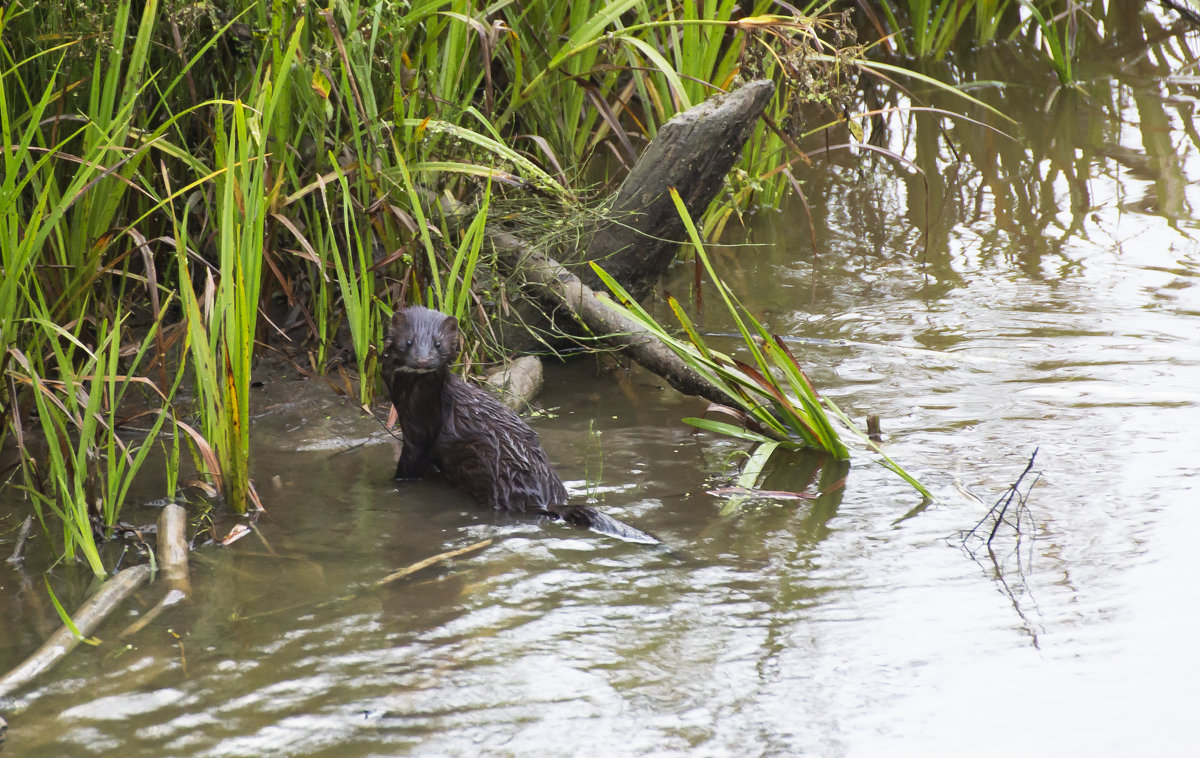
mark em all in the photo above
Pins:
pixel 477 442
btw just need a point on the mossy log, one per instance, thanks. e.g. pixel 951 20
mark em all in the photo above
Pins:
pixel 691 153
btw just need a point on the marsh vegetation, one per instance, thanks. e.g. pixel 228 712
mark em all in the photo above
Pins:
pixel 189 189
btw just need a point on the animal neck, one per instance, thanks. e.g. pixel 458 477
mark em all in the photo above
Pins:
pixel 419 395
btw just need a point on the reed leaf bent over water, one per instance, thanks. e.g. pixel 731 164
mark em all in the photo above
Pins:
pixel 780 412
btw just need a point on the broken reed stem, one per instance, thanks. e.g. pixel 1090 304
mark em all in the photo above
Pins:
pixel 173 547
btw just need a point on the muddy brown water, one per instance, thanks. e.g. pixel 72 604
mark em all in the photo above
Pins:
pixel 1057 307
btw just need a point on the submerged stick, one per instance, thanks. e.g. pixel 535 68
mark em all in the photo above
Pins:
pixel 414 568
pixel 397 574
pixel 86 619
pixel 18 553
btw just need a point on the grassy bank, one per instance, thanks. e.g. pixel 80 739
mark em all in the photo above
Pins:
pixel 186 185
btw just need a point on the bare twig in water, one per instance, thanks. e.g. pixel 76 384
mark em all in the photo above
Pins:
pixel 1006 502
pixel 18 553
pixel 1010 576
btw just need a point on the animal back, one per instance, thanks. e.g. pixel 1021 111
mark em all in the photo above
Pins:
pixel 491 452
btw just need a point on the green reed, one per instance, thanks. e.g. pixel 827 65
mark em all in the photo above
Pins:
pixel 354 271
pixel 222 337
pixel 1057 34
pixel 932 25
pixel 81 394
pixel 774 397
pixel 930 28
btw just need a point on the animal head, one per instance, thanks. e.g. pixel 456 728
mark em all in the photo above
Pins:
pixel 421 340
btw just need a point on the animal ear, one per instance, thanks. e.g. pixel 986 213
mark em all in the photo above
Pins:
pixel 449 334
pixel 399 317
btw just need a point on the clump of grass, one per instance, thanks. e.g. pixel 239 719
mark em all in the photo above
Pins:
pixel 85 473
pixel 222 336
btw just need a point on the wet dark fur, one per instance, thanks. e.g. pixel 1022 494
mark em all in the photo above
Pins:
pixel 477 442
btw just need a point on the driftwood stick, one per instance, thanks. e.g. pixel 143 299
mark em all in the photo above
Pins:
pixel 173 547
pixel 558 285
pixel 517 382
pixel 172 561
pixel 86 619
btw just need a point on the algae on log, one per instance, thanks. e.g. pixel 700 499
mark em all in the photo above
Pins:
pixel 692 152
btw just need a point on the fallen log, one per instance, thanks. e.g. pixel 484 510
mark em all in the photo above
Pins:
pixel 563 290
pixel 692 153
pixel 641 229
pixel 87 618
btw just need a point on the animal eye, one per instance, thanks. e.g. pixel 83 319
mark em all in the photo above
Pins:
pixel 437 343
pixel 408 343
